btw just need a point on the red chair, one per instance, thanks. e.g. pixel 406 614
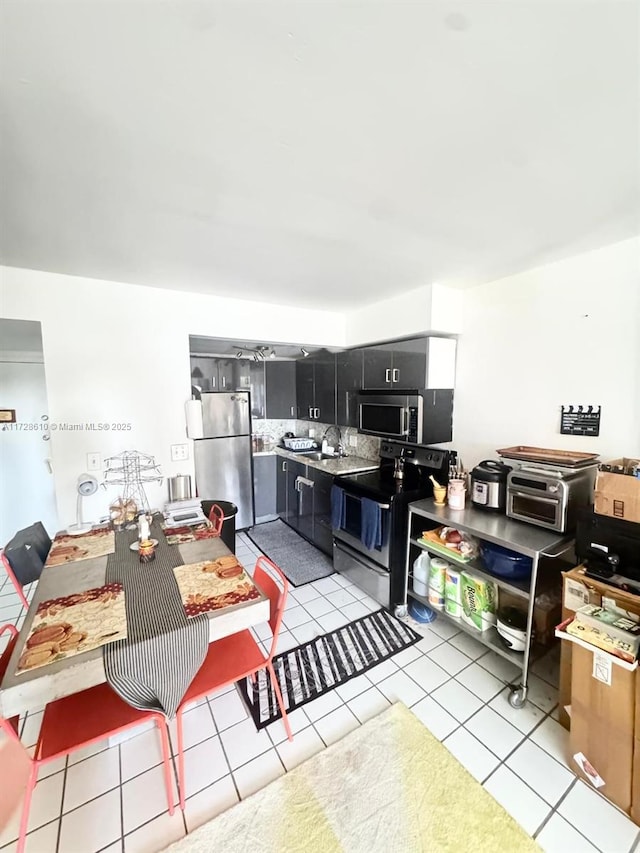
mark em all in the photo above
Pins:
pixel 14 580
pixel 216 517
pixel 77 721
pixel 238 656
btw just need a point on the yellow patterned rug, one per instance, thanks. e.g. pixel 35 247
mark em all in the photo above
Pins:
pixel 390 786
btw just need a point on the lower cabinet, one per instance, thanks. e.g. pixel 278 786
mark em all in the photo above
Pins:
pixel 303 500
pixel 265 487
pixel 322 535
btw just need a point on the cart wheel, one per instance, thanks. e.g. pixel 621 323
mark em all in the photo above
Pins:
pixel 400 611
pixel 518 697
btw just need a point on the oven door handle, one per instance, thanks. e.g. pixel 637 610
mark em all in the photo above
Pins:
pixel 535 495
pixel 358 498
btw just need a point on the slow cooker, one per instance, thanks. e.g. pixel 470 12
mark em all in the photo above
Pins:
pixel 489 485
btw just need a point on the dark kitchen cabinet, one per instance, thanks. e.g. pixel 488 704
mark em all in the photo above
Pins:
pixel 281 487
pixel 325 387
pixel 409 369
pixel 227 375
pixel 322 534
pixel 273 389
pixel 316 387
pixel 306 497
pixel 293 510
pixel 303 500
pixel 257 388
pixel 377 367
pixel 265 487
pixel 305 374
pixel 348 383
pixel 280 389
pixel 217 374
pixel 417 363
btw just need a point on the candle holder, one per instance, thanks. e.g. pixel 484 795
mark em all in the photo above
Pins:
pixel 146 551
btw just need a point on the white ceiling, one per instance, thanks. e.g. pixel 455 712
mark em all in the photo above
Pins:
pixel 316 153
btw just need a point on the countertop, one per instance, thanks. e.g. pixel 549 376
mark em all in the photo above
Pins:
pixel 338 465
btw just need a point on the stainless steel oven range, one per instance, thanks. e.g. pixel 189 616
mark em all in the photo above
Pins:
pixel 370 518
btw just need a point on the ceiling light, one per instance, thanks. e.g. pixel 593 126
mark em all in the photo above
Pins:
pixel 304 352
pixel 256 353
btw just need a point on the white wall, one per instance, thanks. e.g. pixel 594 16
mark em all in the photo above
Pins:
pixel 568 332
pixel 430 308
pixel 117 353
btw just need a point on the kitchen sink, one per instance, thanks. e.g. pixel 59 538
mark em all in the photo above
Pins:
pixel 318 455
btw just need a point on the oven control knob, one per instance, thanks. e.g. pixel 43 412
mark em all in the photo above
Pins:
pixel 553 488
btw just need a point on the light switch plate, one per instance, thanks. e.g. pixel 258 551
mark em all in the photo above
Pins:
pixel 94 462
pixel 179 452
pixel 353 441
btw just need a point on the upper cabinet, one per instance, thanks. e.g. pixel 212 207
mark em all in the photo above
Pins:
pixel 349 382
pixel 280 389
pixel 316 387
pixel 416 363
pixel 216 374
pixel 273 389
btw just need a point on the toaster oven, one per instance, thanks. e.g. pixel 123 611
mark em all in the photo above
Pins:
pixel 549 497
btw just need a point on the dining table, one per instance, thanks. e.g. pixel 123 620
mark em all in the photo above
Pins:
pixel 24 691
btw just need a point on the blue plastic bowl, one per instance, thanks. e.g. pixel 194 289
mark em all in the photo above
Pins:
pixel 420 612
pixel 504 563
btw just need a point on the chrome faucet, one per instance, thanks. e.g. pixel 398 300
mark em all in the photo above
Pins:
pixel 339 448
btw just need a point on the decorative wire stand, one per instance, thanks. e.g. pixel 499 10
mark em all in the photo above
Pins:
pixel 132 470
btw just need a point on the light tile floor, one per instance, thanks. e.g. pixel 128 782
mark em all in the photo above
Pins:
pixel 112 798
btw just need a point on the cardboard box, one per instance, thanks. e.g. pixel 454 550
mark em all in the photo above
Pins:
pixel 618 495
pixel 579 590
pixel 602 725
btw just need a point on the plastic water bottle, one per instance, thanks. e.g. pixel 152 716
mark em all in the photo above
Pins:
pixel 421 568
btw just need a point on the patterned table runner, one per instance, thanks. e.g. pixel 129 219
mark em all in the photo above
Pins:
pixel 68 549
pixel 214 584
pixel 67 626
pixel 164 649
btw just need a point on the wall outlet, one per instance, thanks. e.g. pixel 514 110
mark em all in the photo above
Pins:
pixel 353 440
pixel 94 462
pixel 312 432
pixel 179 452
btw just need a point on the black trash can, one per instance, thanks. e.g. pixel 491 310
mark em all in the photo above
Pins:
pixel 230 511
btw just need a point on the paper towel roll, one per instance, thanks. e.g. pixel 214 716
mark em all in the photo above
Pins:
pixel 452 588
pixel 193 412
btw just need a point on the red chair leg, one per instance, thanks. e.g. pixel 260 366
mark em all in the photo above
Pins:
pixel 276 687
pixel 24 820
pixel 166 761
pixel 180 760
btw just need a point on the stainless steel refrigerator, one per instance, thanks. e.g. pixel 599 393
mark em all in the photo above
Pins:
pixel 222 457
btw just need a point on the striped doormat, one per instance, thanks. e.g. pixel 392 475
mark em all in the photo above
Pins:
pixel 314 668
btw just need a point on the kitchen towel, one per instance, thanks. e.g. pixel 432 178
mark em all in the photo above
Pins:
pixel 370 524
pixel 164 649
pixel 338 508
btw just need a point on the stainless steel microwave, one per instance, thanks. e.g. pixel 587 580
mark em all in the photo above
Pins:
pixel 415 417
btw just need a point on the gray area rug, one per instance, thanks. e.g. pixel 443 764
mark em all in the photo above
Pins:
pixel 299 560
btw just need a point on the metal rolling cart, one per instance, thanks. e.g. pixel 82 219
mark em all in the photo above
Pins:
pixel 522 538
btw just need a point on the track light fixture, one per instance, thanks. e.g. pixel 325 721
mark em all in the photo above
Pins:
pixel 256 353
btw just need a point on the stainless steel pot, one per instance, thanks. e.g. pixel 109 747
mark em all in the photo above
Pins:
pixel 180 487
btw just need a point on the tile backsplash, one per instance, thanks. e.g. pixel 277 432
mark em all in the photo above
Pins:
pixel 367 446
